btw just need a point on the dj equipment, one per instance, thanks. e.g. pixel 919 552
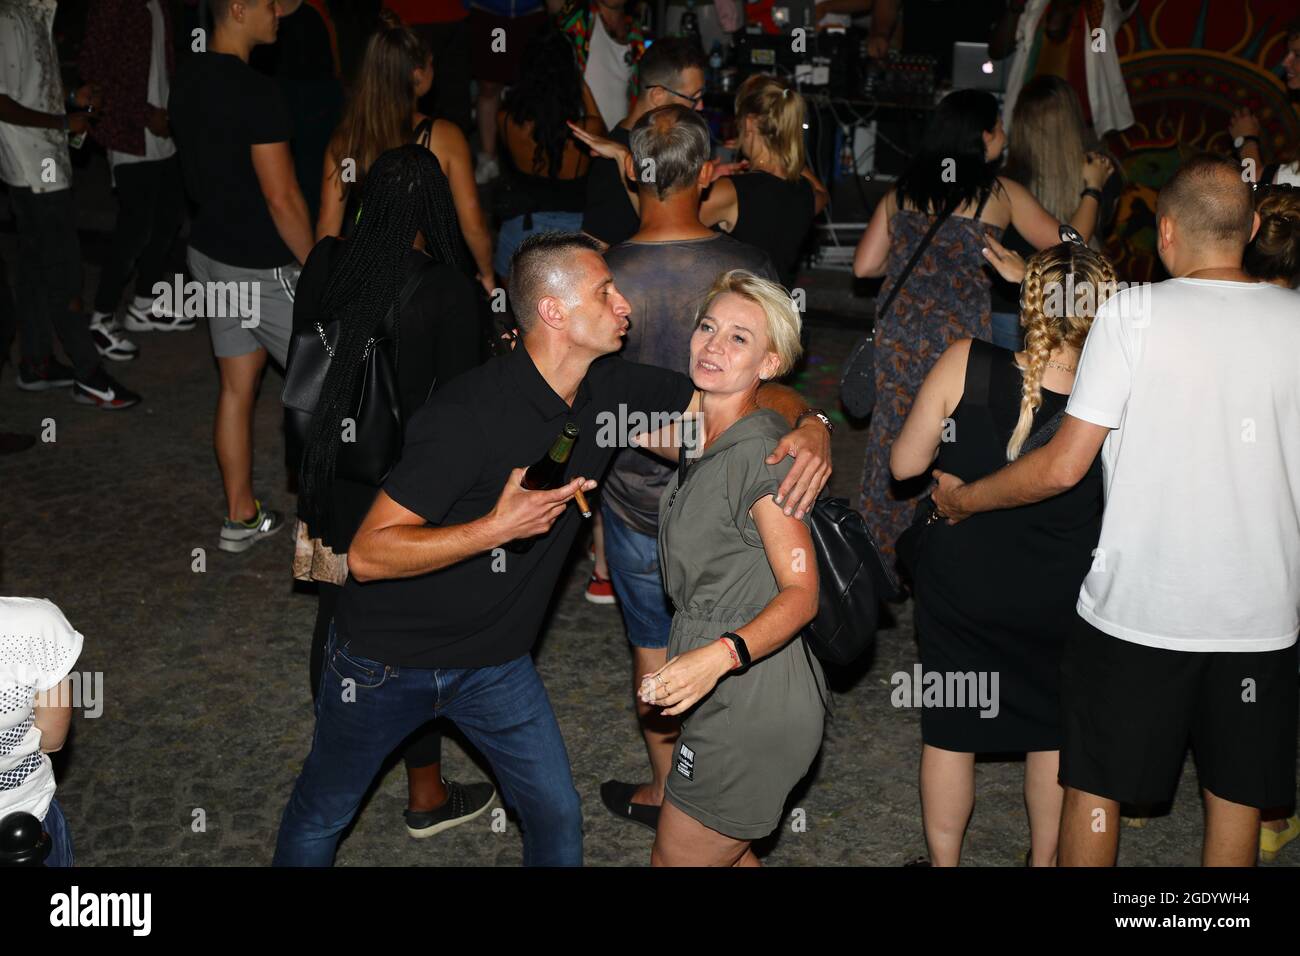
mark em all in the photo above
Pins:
pixel 905 78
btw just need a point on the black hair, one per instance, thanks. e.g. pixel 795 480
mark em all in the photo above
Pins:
pixel 666 60
pixel 405 192
pixel 949 167
pixel 549 92
pixel 533 265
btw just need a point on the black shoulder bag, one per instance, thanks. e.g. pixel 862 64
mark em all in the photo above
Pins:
pixel 858 380
pixel 377 412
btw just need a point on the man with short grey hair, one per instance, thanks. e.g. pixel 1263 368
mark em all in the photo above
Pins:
pixel 671 72
pixel 664 270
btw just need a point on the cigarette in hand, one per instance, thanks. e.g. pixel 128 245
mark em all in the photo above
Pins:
pixel 581 499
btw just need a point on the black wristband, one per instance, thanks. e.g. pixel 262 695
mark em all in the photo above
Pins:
pixel 1093 192
pixel 741 650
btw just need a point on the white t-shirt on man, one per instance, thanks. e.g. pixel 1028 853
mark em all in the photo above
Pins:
pixel 1288 174
pixel 37 650
pixel 607 74
pixel 1200 540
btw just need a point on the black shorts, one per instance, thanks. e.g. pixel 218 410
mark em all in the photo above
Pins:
pixel 1129 711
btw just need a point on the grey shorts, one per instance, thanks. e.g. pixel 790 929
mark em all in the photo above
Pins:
pixel 743 748
pixel 246 309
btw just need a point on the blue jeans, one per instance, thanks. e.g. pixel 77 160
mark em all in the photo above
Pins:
pixel 60 839
pixel 1007 333
pixel 513 233
pixel 633 560
pixel 502 709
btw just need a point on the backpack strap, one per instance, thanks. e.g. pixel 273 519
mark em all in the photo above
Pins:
pixel 939 220
pixel 979 370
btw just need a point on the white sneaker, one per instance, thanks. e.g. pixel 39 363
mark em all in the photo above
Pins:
pixel 155 320
pixel 111 343
pixel 486 170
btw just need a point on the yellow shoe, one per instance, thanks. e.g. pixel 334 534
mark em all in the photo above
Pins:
pixel 1272 841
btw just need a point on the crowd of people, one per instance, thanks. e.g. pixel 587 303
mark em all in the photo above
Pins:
pixel 1091 490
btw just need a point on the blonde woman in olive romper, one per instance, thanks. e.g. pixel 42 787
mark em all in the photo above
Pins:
pixel 735 566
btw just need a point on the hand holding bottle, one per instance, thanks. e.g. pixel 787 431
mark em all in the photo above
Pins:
pixel 521 514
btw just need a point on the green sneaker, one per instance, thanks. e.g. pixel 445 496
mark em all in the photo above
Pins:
pixel 242 535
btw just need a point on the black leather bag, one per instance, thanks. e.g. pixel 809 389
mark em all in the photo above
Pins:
pixel 853 581
pixel 376 432
pixel 858 379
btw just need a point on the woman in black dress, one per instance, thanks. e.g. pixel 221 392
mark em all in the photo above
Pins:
pixel 406 231
pixel 995 595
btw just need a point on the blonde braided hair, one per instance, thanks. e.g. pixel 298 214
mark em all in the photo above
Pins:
pixel 1059 297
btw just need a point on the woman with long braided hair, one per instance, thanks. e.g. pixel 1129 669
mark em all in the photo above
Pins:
pixel 995 596
pixel 406 231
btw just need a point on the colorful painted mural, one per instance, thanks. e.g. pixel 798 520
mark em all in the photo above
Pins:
pixel 1188 64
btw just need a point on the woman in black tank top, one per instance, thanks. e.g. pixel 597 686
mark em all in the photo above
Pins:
pixel 772 203
pixel 382 114
pixel 995 595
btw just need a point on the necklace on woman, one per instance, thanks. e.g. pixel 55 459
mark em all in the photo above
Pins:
pixel 1061 366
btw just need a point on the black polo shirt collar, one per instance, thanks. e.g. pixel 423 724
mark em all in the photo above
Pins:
pixel 534 387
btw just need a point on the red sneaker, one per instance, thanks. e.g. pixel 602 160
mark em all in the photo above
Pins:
pixel 600 590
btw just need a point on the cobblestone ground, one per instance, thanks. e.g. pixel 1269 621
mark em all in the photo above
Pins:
pixel 206 710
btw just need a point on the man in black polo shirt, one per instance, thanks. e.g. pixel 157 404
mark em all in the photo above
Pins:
pixel 437 618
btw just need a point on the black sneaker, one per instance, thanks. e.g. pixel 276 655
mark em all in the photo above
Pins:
pixel 103 392
pixel 111 343
pixel 464 803
pixel 43 375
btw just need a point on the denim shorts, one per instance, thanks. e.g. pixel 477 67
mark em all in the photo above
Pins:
pixel 1007 333
pixel 633 560
pixel 513 233
pixel 56 827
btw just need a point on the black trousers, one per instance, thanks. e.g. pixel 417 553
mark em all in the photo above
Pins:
pixel 8 321
pixel 49 278
pixel 150 208
pixel 424 746
pixel 449 97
